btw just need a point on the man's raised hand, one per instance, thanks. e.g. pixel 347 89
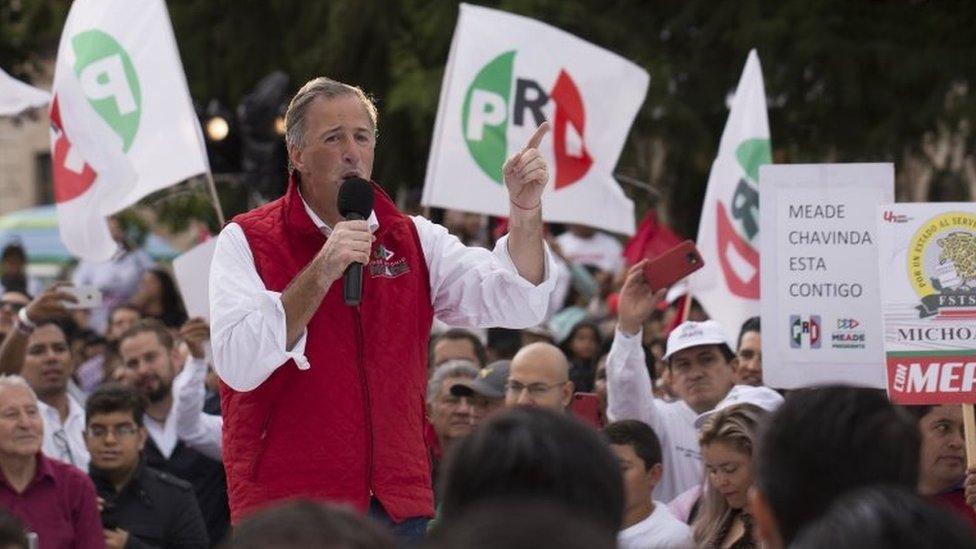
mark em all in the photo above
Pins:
pixel 526 172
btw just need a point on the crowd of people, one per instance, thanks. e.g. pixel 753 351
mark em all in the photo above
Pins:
pixel 599 417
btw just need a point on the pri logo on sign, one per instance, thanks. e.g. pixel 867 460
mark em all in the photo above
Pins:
pixel 942 266
pixel 488 113
pixel 805 331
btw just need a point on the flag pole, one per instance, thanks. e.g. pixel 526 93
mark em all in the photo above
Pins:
pixel 969 428
pixel 216 201
pixel 686 309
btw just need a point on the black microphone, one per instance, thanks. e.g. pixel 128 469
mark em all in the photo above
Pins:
pixel 355 203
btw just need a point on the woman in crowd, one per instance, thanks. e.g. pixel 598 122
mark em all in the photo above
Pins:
pixel 943 458
pixel 728 441
pixel 158 298
pixel 582 347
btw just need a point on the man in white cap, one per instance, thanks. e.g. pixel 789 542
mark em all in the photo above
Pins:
pixel 700 358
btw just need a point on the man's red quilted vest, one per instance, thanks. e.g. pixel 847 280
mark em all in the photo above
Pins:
pixel 353 424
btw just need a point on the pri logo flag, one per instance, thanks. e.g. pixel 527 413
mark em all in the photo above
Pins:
pixel 728 234
pixel 122 124
pixel 505 75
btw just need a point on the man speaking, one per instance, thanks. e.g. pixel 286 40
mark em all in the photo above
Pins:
pixel 323 398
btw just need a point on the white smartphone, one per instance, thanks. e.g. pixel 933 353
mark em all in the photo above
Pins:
pixel 88 297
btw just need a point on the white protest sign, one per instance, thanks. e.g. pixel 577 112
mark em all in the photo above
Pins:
pixel 192 271
pixel 927 256
pixel 821 301
pixel 505 75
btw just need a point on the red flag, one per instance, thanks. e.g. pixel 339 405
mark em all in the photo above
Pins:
pixel 651 239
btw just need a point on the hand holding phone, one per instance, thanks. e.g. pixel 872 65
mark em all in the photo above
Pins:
pixel 673 265
pixel 86 297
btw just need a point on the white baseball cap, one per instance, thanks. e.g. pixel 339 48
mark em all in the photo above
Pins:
pixel 693 334
pixel 764 397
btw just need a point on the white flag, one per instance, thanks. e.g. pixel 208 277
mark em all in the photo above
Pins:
pixel 16 97
pixel 505 75
pixel 728 234
pixel 122 123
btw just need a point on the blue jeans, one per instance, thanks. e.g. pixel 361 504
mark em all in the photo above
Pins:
pixel 407 533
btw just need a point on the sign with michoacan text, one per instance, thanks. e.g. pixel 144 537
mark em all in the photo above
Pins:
pixel 928 265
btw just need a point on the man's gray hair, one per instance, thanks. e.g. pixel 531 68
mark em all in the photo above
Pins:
pixel 448 369
pixel 16 381
pixel 313 89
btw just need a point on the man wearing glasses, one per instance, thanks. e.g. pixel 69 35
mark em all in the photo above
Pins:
pixel 539 376
pixel 141 507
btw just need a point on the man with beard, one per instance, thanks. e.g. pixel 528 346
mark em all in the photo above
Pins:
pixel 38 350
pixel 149 354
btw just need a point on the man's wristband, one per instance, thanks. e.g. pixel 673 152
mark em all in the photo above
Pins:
pixel 24 324
pixel 521 207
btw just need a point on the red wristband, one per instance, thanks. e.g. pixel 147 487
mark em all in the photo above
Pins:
pixel 517 205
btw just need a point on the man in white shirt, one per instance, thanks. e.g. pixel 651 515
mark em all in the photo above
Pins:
pixel 700 358
pixel 325 400
pixel 647 523
pixel 38 350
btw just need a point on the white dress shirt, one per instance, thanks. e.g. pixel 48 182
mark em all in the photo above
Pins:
pixel 198 430
pixel 469 287
pixel 65 441
pixel 659 530
pixel 630 396
pixel 203 436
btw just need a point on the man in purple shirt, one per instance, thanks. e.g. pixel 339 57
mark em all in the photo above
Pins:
pixel 53 499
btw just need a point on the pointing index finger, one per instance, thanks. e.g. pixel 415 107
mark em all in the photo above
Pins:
pixel 536 138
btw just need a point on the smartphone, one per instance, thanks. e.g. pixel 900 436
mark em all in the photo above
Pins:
pixel 673 265
pixel 586 407
pixel 88 297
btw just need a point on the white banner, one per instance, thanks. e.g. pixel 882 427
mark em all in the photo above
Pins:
pixel 16 96
pixel 123 125
pixel 728 233
pixel 505 75
pixel 821 299
pixel 928 259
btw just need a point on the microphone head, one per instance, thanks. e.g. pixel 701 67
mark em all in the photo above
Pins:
pixel 355 197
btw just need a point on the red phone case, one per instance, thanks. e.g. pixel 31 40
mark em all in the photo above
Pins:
pixel 586 407
pixel 673 265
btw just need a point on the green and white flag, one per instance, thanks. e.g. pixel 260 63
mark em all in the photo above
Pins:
pixel 505 75
pixel 728 233
pixel 122 123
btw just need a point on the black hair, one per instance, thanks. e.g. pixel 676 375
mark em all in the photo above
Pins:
pixel 723 349
pixel 114 397
pixel 919 411
pixel 884 517
pixel 638 435
pixel 13 251
pixel 460 333
pixel 825 441
pixel 536 454
pixel 174 315
pixel 307 525
pixel 12 533
pixel 522 524
pixel 750 325
pixel 67 326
